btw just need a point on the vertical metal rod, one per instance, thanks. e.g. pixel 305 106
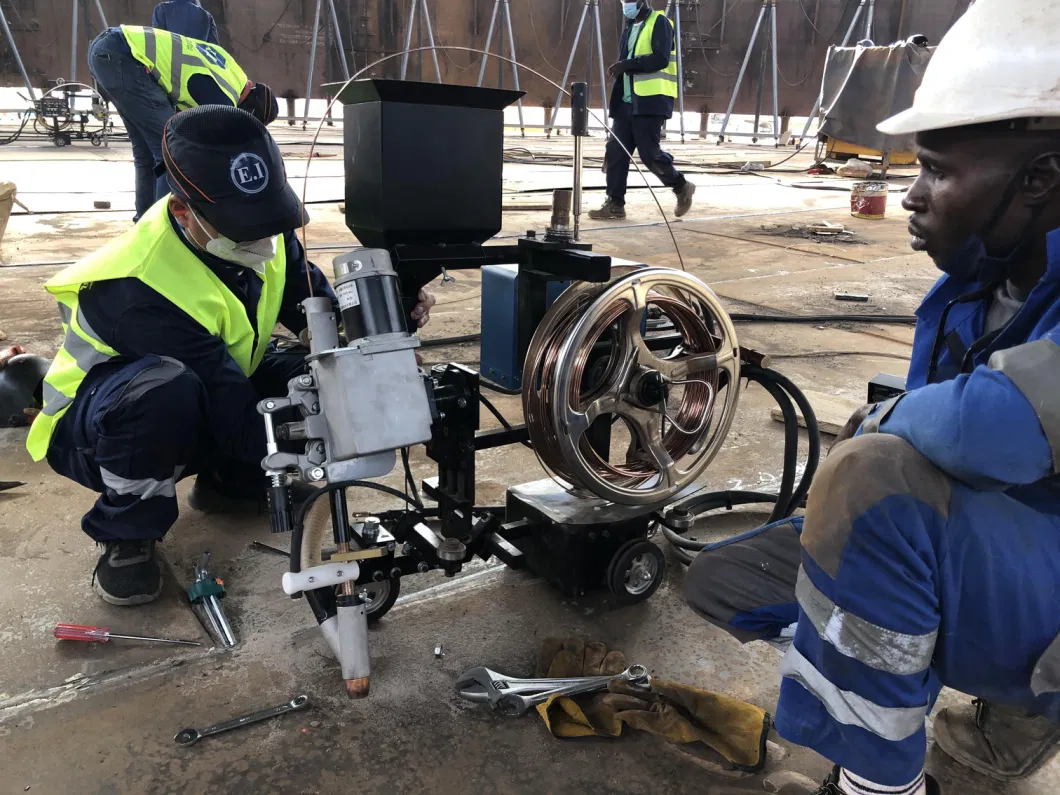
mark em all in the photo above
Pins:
pixel 901 21
pixel 338 40
pixel 73 42
pixel 743 70
pixel 102 16
pixel 680 71
pixel 340 517
pixel 408 39
pixel 566 74
pixel 312 65
pixel 603 68
pixel 419 47
pixel 758 92
pixel 576 199
pixel 816 14
pixel 18 58
pixel 430 41
pixel 820 95
pixel 589 56
pixel 489 43
pixel 869 20
pixel 515 66
pixel 724 14
pixel 776 74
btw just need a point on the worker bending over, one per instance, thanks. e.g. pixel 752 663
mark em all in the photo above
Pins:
pixel 151 74
pixel 929 554
pixel 167 349
pixel 185 18
pixel 642 100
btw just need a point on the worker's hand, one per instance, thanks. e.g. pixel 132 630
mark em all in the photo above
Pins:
pixel 855 421
pixel 616 70
pixel 422 313
pixel 6 354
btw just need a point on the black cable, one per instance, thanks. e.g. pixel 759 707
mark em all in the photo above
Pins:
pixel 787 500
pixel 299 521
pixel 15 135
pixel 500 417
pixel 441 342
pixel 410 481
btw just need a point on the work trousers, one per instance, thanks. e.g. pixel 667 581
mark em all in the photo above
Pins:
pixel 643 133
pixel 143 105
pixel 142 427
pixel 909 580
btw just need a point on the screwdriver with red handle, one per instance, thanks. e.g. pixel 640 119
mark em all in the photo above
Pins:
pixel 102 635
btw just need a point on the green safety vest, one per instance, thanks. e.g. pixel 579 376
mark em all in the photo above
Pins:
pixel 173 59
pixel 156 255
pixel 655 84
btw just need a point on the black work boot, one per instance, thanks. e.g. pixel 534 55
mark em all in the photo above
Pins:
pixel 1000 742
pixel 128 573
pixel 684 199
pixel 210 496
pixel 609 212
pixel 798 784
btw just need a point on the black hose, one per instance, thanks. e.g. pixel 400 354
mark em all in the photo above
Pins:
pixel 410 480
pixel 788 499
pixel 496 413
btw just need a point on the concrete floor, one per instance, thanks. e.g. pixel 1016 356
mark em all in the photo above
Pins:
pixel 100 719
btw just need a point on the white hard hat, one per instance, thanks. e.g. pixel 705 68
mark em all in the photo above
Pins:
pixel 999 61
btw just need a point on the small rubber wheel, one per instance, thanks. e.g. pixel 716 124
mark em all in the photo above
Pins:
pixel 636 571
pixel 62 139
pixel 379 596
pixel 96 139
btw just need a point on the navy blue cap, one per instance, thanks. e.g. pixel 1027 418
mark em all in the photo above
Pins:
pixel 223 162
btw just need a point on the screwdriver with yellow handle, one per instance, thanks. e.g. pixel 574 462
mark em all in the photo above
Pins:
pixel 102 635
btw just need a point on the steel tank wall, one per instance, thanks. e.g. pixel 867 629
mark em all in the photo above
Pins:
pixel 271 40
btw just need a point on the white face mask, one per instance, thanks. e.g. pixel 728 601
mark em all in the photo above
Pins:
pixel 253 254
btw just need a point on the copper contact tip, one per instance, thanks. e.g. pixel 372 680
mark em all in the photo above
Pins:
pixel 357 688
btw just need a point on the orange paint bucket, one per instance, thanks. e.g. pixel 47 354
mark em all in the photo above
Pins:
pixel 869 200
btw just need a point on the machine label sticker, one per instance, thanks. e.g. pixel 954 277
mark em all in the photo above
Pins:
pixel 348 295
pixel 249 173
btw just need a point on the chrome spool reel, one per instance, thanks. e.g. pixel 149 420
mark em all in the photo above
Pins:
pixel 670 409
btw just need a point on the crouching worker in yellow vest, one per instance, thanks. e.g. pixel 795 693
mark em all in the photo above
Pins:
pixel 167 349
pixel 150 74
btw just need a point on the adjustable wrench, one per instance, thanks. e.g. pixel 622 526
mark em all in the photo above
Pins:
pixel 514 697
pixel 192 736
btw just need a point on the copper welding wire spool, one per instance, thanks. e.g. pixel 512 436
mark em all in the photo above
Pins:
pixel 678 429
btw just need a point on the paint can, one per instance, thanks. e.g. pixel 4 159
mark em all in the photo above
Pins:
pixel 868 200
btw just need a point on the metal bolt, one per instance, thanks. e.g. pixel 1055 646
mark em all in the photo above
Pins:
pixel 379 576
pixel 462 403
pixel 395 573
pixel 312 579
pixel 423 568
pixel 391 546
pixel 607 533
pixel 317 473
pixel 592 536
pixel 315 408
pixel 338 573
pixel 305 381
pixel 270 405
pixel 406 548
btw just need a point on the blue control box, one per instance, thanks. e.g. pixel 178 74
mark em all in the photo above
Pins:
pixel 499 346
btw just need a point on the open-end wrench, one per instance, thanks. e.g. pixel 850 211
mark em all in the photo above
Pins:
pixel 192 736
pixel 512 705
pixel 482 684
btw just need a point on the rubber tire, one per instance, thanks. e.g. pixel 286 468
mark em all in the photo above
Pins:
pixel 317 524
pixel 619 566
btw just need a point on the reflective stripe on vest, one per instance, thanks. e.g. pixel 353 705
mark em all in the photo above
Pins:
pixel 153 253
pixel 172 60
pixel 655 84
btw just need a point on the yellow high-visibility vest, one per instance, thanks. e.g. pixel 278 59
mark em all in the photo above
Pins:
pixel 155 254
pixel 655 84
pixel 173 59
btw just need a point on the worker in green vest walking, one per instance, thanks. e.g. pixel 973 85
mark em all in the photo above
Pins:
pixel 167 346
pixel 642 101
pixel 150 74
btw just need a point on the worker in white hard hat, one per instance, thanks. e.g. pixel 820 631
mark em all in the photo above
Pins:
pixel 929 554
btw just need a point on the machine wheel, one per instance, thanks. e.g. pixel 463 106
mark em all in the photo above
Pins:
pixel 97 139
pixel 636 571
pixel 380 596
pixel 62 139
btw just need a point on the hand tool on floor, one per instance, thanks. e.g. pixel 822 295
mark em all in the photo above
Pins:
pixel 192 736
pixel 6 485
pixel 207 591
pixel 90 634
pixel 513 697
